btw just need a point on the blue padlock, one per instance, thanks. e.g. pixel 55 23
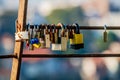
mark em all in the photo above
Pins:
pixel 34 41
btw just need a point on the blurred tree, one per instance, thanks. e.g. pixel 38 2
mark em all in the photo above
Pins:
pixel 67 16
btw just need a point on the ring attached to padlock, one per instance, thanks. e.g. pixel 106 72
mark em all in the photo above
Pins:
pixel 77 41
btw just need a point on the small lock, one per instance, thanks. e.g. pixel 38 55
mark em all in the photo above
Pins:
pixel 31 47
pixel 77 41
pixel 42 37
pixel 58 36
pixel 55 46
pixel 35 31
pixel 63 38
pixel 67 35
pixel 105 36
pixel 35 43
pixel 62 46
pixel 55 34
pixel 47 38
pixel 42 42
pixel 52 36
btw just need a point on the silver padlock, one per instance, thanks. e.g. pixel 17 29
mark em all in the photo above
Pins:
pixel 63 45
pixel 55 45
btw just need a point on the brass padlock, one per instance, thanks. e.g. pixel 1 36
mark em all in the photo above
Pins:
pixel 105 37
pixel 42 37
pixel 47 38
pixel 77 41
pixel 52 39
pixel 70 32
pixel 63 38
pixel 55 34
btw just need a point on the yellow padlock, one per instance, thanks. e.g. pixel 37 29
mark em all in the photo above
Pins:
pixel 37 45
pixel 77 41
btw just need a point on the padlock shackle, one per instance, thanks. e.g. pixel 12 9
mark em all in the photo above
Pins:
pixel 27 27
pixel 77 28
pixel 46 29
pixel 36 26
pixel 63 29
pixel 105 27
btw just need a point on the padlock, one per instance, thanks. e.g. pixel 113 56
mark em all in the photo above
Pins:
pixel 55 46
pixel 63 38
pixel 35 31
pixel 52 39
pixel 55 34
pixel 105 37
pixel 47 38
pixel 42 37
pixel 34 41
pixel 77 41
pixel 70 32
pixel 67 34
pixel 31 47
pixel 63 45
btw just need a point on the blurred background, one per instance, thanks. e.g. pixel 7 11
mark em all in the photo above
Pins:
pixel 83 12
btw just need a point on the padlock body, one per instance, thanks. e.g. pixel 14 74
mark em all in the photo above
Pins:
pixel 63 43
pixel 76 46
pixel 37 45
pixel 31 47
pixel 105 36
pixel 47 41
pixel 42 42
pixel 56 47
pixel 77 41
pixel 34 40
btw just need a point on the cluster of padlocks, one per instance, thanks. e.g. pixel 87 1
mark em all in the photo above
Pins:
pixel 51 36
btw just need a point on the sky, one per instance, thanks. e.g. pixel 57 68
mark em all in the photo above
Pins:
pixel 45 7
pixel 8 4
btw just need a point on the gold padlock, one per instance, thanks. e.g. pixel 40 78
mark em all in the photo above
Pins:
pixel 47 38
pixel 77 41
pixel 63 38
pixel 105 37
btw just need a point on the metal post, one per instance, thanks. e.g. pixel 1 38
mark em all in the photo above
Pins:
pixel 18 49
